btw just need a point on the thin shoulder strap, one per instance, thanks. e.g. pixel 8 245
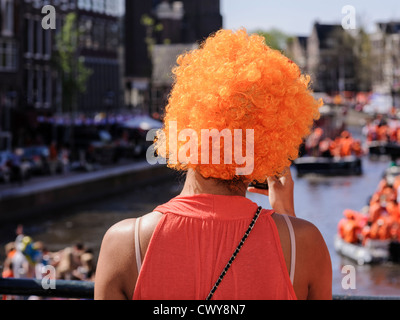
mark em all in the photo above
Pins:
pixel 292 248
pixel 137 246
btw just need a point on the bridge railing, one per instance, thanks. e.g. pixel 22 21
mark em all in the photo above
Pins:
pixel 85 290
pixel 60 288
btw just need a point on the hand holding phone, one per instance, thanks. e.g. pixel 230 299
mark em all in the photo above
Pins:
pixel 259 185
pixel 280 192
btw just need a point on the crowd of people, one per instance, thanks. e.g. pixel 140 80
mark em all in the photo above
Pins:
pixel 344 145
pixel 382 129
pixel 26 259
pixel 381 219
pixel 24 163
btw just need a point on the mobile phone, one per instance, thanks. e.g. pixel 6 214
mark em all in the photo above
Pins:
pixel 259 185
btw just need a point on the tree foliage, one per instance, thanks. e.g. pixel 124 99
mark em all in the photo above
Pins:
pixel 364 61
pixel 276 39
pixel 74 73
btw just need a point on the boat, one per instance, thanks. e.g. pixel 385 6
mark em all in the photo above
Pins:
pixel 351 165
pixel 374 251
pixel 380 148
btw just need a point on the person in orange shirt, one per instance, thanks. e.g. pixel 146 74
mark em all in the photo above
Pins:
pixel 374 231
pixel 313 141
pixel 382 184
pixel 335 147
pixel 383 132
pixel 350 231
pixel 10 252
pixel 397 135
pixel 395 231
pixel 351 225
pixel 357 148
pixel 396 186
pixel 8 267
pixel 392 208
pixel 346 142
pixel 387 194
pixel 385 224
pixel 375 211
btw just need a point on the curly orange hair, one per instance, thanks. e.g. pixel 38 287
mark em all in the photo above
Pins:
pixel 235 81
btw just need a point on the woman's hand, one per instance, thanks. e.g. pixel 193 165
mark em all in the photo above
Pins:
pixel 280 192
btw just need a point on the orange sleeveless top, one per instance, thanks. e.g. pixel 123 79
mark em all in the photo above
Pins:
pixel 195 239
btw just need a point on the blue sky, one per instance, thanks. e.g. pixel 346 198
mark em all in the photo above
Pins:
pixel 296 17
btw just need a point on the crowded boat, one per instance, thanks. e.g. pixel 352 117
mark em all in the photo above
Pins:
pixel 383 136
pixel 373 233
pixel 340 155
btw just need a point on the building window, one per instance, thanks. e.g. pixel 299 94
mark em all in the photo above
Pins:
pixel 29 25
pixel 39 39
pixel 8 56
pixel 29 75
pixel 39 88
pixel 98 35
pixel 48 88
pixel 112 37
pixel 7 15
pixel 98 6
pixel 47 44
pixel 37 3
pixel 85 5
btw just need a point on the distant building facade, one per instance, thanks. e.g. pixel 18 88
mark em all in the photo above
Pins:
pixel 330 60
pixel 184 23
pixel 29 80
pixel 100 45
pixel 297 51
pixel 10 62
pixel 386 59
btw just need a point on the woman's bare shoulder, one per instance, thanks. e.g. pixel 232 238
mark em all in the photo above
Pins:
pixel 304 228
pixel 125 229
pixel 115 262
pixel 313 256
pixel 117 273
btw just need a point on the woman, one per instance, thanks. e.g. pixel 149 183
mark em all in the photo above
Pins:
pixel 235 84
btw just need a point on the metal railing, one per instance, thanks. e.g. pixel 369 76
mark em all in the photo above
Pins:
pixel 85 290
pixel 61 289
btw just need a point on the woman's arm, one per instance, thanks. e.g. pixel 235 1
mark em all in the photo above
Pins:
pixel 319 266
pixel 313 279
pixel 116 272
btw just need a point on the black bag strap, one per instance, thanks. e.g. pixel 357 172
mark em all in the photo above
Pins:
pixel 246 235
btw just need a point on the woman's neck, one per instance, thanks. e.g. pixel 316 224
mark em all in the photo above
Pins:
pixel 196 184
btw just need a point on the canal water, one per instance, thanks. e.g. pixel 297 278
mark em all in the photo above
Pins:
pixel 319 200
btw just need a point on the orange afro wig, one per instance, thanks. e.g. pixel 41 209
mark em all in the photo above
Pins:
pixel 235 81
